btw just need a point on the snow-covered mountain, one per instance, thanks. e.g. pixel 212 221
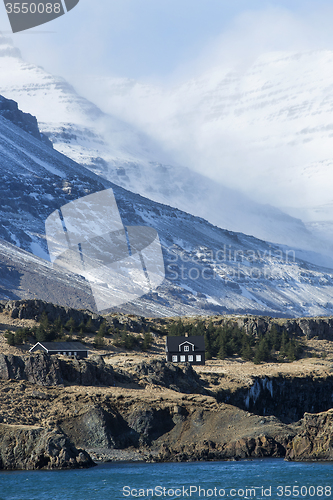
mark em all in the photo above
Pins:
pixel 208 269
pixel 263 128
pixel 129 158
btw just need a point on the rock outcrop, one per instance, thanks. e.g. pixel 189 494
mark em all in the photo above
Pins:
pixel 38 369
pixel 33 309
pixel 322 328
pixel 45 370
pixel 314 441
pixel 29 448
pixel 224 433
pixel 99 428
pixel 160 372
pixel 25 121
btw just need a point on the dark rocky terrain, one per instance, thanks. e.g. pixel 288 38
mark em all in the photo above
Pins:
pixel 117 405
pixel 162 413
pixel 33 447
pixel 314 441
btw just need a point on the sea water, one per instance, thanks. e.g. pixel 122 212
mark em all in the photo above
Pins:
pixel 253 479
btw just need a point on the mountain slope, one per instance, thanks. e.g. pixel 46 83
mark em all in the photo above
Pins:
pixel 208 269
pixel 123 155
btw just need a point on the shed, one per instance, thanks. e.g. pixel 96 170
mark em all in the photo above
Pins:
pixel 66 348
pixel 186 350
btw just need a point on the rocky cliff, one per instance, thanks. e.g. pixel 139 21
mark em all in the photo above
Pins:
pixel 45 370
pixel 322 328
pixel 285 396
pixel 314 440
pixel 33 309
pixel 27 122
pixel 308 328
pixel 32 447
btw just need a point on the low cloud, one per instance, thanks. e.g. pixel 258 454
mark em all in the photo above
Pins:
pixel 252 112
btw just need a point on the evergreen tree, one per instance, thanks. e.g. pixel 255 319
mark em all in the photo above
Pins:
pixel 246 350
pixel 41 334
pixel 284 344
pixel 58 326
pixel 291 351
pixel 222 353
pixel 70 325
pixel 89 326
pixel 261 351
pixel 147 341
pixel 102 331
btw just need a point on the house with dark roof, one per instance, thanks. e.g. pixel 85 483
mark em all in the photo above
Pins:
pixel 186 350
pixel 75 349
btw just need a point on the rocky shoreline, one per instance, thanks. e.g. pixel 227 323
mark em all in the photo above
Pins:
pixel 65 413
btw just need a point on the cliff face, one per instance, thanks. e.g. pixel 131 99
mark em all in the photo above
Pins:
pixel 33 309
pixel 26 447
pixel 315 439
pixel 45 370
pixel 25 121
pixel 322 328
pixel 286 397
pixel 37 369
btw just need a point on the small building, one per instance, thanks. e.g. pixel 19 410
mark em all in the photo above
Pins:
pixel 75 349
pixel 186 350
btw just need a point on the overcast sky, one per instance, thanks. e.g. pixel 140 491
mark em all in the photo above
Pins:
pixel 144 39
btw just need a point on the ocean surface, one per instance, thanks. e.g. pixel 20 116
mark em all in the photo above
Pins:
pixel 256 479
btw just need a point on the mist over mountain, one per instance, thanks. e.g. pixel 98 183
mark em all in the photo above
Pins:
pixel 261 126
pixel 128 157
pixel 207 269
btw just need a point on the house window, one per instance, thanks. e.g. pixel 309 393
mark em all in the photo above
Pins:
pixel 75 353
pixel 69 354
pixel 186 348
pixel 182 359
pixel 64 353
pixel 198 357
pixel 190 358
pixel 175 359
